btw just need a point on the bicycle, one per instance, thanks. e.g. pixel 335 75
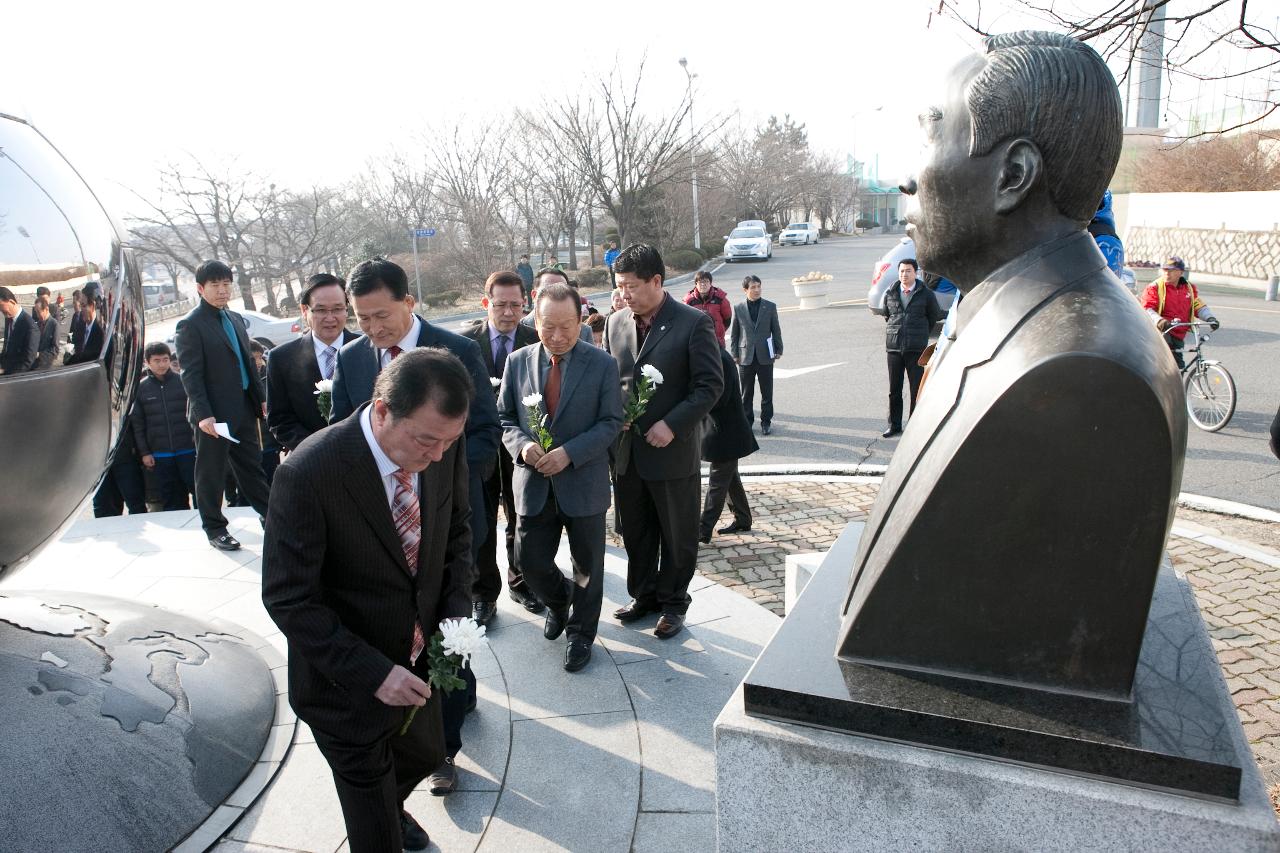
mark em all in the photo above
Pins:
pixel 1210 390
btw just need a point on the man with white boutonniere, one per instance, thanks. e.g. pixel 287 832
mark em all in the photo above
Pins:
pixel 561 412
pixel 669 364
pixel 295 368
pixel 367 552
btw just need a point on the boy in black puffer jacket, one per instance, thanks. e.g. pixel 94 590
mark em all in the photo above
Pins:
pixel 161 431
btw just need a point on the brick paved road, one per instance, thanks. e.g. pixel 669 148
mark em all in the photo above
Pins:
pixel 1239 597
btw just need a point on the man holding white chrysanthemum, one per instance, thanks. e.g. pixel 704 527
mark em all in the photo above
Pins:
pixel 367 551
pixel 669 362
pixel 561 412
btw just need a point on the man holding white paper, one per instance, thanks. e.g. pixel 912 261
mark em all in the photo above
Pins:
pixel 225 402
pixel 755 342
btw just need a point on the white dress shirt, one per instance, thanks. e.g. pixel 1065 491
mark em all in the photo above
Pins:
pixel 320 346
pixel 407 343
pixel 386 468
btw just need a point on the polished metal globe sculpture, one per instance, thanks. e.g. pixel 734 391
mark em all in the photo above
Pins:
pixel 59 425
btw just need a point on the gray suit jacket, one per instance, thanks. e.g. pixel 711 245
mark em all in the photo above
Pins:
pixel 748 338
pixel 682 344
pixel 587 421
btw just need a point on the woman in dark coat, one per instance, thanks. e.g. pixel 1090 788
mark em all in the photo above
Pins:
pixel 727 437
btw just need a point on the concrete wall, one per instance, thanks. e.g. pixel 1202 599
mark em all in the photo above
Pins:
pixel 1231 235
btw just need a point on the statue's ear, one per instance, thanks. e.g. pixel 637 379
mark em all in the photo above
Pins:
pixel 1020 170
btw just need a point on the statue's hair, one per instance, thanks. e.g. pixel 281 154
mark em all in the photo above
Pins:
pixel 1058 92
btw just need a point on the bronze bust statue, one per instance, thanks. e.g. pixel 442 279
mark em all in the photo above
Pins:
pixel 1019 529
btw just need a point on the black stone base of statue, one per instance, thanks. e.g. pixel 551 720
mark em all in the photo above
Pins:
pixel 124 726
pixel 1174 735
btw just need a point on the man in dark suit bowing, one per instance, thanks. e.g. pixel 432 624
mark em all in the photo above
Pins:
pixel 368 548
pixel 498 335
pixel 293 369
pixel 657 487
pixel 222 386
pixel 565 487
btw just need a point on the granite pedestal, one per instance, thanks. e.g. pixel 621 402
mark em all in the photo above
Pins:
pixel 927 762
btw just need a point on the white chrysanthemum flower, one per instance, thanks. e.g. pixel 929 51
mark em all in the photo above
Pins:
pixel 495 381
pixel 463 637
pixel 324 386
pixel 653 374
pixel 532 400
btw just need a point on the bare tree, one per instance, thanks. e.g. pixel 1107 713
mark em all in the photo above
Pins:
pixel 625 154
pixel 1244 162
pixel 204 213
pixel 1192 39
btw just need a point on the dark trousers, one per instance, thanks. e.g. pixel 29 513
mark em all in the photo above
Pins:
pixel 748 374
pixel 660 533
pixel 214 456
pixel 374 779
pixel 453 710
pixel 724 482
pixel 537 541
pixel 176 476
pixel 497 489
pixel 121 486
pixel 1176 346
pixel 900 363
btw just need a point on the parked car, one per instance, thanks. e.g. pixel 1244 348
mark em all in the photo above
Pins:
pixel 744 243
pixel 799 233
pixel 265 329
pixel 155 295
pixel 885 273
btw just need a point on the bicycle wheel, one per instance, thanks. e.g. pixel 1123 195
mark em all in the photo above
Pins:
pixel 1211 396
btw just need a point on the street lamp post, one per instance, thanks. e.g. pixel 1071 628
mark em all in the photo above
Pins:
pixel 693 155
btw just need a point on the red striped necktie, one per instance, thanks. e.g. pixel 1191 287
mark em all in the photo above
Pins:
pixel 407 516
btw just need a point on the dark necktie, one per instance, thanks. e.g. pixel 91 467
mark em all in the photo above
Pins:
pixel 500 360
pixel 552 394
pixel 8 332
pixel 393 352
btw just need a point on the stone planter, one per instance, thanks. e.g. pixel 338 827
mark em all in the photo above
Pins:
pixel 812 294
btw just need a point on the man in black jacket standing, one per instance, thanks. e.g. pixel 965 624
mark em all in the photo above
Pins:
pixel 294 368
pixel 727 438
pixel 161 432
pixel 222 388
pixel 911 309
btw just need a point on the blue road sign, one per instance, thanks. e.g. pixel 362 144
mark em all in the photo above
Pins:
pixel 424 232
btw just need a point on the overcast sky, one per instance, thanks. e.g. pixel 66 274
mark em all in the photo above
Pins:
pixel 307 93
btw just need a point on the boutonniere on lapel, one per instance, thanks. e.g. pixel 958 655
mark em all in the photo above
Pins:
pixel 650 379
pixel 537 420
pixel 324 397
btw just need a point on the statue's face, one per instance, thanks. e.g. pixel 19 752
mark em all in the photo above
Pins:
pixel 951 209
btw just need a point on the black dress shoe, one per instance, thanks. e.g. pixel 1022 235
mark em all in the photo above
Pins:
pixel 443 780
pixel 735 528
pixel 413 837
pixel 891 432
pixel 576 654
pixel 225 542
pixel 633 611
pixel 704 538
pixel 556 620
pixel 483 611
pixel 668 626
pixel 525 599
pixel 766 429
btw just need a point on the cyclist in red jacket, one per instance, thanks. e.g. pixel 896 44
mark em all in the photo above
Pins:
pixel 1172 299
